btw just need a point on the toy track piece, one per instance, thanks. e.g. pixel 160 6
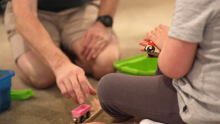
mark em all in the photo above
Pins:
pixel 92 117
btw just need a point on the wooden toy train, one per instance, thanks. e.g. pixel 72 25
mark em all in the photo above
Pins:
pixel 81 113
pixel 152 49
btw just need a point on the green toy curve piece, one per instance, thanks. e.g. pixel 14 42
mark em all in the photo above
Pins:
pixel 21 94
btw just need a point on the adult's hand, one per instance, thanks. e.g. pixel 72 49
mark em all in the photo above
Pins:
pixel 95 39
pixel 70 79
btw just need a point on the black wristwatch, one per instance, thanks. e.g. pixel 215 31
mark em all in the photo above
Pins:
pixel 106 20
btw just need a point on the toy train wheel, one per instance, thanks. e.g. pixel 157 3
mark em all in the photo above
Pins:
pixel 75 120
pixel 88 114
pixel 82 119
pixel 151 55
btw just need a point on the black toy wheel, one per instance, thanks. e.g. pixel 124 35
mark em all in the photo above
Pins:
pixel 151 55
pixel 82 119
pixel 151 49
pixel 88 114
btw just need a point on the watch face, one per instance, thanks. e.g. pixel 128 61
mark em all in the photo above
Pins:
pixel 108 21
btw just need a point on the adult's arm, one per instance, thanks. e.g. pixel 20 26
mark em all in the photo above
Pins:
pixel 35 34
pixel 70 78
pixel 97 37
pixel 108 7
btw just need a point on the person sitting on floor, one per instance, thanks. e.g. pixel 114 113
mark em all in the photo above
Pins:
pixel 185 88
pixel 83 28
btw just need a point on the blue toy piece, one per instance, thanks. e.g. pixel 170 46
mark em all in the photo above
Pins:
pixel 5 86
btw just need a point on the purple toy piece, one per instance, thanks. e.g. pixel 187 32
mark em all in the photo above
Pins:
pixel 81 110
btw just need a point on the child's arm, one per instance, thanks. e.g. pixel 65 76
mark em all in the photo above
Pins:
pixel 190 20
pixel 176 57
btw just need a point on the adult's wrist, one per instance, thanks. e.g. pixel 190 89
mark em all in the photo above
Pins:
pixel 98 23
pixel 57 60
pixel 106 20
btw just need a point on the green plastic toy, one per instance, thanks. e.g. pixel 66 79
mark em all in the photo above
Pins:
pixel 138 65
pixel 21 94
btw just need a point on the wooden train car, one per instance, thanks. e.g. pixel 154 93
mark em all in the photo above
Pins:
pixel 81 113
pixel 152 49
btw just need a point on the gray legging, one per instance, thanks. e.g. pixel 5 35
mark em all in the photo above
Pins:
pixel 147 97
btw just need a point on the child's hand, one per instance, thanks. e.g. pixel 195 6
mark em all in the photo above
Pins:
pixel 159 35
pixel 144 44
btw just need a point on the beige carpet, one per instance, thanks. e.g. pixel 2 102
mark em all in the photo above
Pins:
pixel 133 19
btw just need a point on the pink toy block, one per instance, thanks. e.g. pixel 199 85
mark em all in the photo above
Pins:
pixel 81 110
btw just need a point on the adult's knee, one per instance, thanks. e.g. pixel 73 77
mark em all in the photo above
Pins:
pixel 99 72
pixel 104 66
pixel 41 81
pixel 35 72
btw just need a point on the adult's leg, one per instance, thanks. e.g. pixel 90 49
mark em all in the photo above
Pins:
pixel 103 64
pixel 34 71
pixel 147 97
pixel 31 68
pixel 73 28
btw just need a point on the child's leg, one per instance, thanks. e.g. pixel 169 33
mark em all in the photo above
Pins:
pixel 158 72
pixel 125 96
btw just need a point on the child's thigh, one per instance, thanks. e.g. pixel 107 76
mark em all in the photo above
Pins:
pixel 141 96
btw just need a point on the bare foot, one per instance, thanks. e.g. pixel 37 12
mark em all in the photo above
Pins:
pixel 159 35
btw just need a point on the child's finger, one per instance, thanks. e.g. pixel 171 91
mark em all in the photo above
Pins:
pixel 147 39
pixel 151 36
pixel 142 49
pixel 163 26
pixel 143 43
pixel 153 32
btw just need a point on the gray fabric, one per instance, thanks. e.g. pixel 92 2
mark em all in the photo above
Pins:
pixel 198 21
pixel 125 96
